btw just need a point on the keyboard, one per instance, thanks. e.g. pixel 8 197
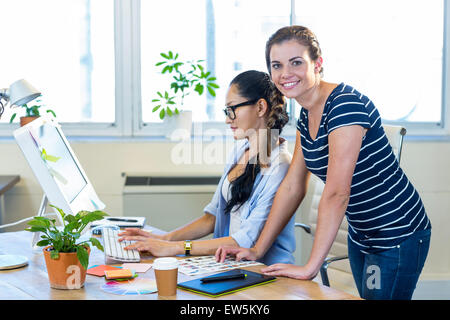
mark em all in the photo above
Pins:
pixel 114 250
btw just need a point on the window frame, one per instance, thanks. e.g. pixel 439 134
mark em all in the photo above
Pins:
pixel 128 115
pixel 429 130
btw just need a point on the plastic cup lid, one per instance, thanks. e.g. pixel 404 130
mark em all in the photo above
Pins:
pixel 165 263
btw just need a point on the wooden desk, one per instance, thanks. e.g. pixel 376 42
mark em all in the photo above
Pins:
pixel 6 183
pixel 31 282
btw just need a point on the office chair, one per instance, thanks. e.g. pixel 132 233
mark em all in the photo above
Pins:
pixel 339 249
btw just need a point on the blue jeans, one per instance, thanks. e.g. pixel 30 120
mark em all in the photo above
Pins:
pixel 390 274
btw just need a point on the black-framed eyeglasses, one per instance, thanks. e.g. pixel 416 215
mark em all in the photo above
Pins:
pixel 229 110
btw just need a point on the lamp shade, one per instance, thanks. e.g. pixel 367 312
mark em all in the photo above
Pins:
pixel 21 92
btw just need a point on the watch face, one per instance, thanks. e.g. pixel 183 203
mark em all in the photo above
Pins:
pixel 187 247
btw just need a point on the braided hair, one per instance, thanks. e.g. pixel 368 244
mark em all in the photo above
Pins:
pixel 2 108
pixel 255 85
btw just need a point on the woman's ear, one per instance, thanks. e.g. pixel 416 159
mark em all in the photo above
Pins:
pixel 262 107
pixel 318 64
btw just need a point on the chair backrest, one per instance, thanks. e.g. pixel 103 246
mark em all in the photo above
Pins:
pixel 339 248
pixel 395 136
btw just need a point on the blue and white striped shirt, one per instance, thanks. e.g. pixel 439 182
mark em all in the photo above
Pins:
pixel 384 207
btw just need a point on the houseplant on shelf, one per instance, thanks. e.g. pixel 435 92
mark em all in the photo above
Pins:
pixel 187 77
pixel 66 257
pixel 31 113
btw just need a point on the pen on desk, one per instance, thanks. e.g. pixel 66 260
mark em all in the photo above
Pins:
pixel 224 278
pixel 121 220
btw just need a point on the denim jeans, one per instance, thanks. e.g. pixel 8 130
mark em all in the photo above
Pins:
pixel 390 274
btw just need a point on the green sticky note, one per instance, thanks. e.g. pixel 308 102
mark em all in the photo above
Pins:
pixel 49 157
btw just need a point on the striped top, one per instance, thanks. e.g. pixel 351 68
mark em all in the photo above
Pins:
pixel 384 207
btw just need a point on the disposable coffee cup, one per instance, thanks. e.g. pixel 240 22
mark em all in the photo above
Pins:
pixel 166 274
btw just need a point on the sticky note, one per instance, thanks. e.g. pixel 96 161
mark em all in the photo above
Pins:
pixel 49 157
pixel 99 270
pixel 119 274
pixel 138 267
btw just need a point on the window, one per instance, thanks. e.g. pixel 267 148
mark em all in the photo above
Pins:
pixel 66 50
pixel 94 60
pixel 229 35
pixel 390 51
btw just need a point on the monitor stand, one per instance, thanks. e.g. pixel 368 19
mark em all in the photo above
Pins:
pixel 41 213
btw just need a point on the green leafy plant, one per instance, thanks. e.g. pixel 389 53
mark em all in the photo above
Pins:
pixel 187 77
pixel 32 111
pixel 65 240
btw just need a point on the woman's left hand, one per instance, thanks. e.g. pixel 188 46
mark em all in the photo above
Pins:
pixel 289 270
pixel 156 247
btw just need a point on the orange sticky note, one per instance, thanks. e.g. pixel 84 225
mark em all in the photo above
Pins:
pixel 100 270
pixel 118 274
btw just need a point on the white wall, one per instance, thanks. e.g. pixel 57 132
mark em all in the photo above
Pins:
pixel 425 163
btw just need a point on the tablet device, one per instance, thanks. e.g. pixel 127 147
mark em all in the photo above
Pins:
pixel 227 286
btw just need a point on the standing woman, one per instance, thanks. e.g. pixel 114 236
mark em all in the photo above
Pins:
pixel 340 139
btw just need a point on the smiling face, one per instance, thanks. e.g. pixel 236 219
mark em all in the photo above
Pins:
pixel 292 70
pixel 249 118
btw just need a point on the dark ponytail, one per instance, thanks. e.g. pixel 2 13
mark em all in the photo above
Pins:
pixel 255 85
pixel 242 186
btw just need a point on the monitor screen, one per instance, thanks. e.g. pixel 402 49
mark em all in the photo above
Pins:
pixel 59 161
pixel 56 168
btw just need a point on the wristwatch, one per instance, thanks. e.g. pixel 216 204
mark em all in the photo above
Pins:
pixel 187 247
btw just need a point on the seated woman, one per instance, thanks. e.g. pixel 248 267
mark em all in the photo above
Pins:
pixel 238 211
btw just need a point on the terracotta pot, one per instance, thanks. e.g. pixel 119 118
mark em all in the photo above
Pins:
pixel 66 272
pixel 25 120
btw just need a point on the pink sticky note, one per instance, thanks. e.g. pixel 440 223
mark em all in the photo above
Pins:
pixel 138 267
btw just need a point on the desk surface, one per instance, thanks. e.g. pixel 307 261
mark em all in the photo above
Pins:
pixel 31 282
pixel 7 182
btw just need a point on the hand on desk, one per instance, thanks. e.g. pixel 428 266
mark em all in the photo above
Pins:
pixel 290 271
pixel 278 269
pixel 238 252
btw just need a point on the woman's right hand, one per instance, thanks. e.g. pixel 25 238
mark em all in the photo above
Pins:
pixel 239 253
pixel 137 234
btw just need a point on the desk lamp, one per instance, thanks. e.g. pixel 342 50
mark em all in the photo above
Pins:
pixel 20 92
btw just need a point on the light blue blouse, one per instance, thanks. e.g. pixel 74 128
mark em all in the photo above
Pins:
pixel 255 210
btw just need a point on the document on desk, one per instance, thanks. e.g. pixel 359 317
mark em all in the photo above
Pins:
pixel 207 264
pixel 137 267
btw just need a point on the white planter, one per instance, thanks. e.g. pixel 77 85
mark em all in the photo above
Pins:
pixel 178 126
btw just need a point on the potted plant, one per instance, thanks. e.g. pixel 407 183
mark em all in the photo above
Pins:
pixel 66 257
pixel 31 113
pixel 187 77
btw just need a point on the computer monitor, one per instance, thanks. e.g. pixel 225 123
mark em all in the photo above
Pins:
pixel 57 169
